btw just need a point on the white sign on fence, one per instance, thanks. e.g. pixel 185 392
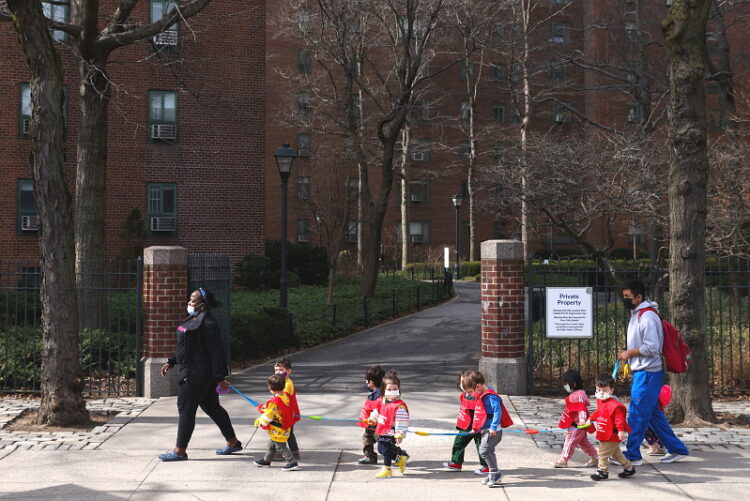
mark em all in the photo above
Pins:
pixel 569 312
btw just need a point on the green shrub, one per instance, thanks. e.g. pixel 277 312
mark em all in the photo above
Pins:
pixel 306 265
pixel 253 271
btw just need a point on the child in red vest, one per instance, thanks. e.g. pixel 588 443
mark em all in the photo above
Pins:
pixel 277 419
pixel 283 367
pixel 490 416
pixel 374 380
pixel 611 425
pixel 391 419
pixel 576 413
pixel 468 401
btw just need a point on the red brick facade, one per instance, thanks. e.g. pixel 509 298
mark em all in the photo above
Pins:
pixel 216 164
pixel 502 296
pixel 164 302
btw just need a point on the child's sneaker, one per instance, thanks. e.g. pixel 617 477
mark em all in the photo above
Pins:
pixel 484 470
pixel 262 462
pixel 367 460
pixel 600 475
pixel 452 466
pixel 592 462
pixel 385 472
pixel 401 463
pixel 494 479
pixel 627 473
pixel 290 467
pixel 560 463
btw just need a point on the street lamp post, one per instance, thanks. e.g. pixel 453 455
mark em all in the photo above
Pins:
pixel 457 199
pixel 284 159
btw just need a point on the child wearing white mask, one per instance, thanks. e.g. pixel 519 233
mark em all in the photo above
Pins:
pixel 391 420
pixel 611 425
pixel 576 413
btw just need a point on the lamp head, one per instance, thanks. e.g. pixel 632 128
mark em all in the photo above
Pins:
pixel 284 159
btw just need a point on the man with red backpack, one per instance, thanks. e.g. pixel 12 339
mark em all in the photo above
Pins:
pixel 644 354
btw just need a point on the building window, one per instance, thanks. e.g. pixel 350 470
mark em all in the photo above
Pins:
pixel 352 190
pixel 418 27
pixel 303 105
pixel 465 110
pixel 716 120
pixel 497 72
pixel 25 115
pixel 304 62
pixel 424 110
pixel 28 219
pixel 160 9
pixel 467 70
pixel 59 13
pixel 420 150
pixel 636 235
pixel 303 19
pixel 634 113
pixel 559 71
pixel 303 188
pixel 419 232
pixel 162 207
pixel 631 31
pixel 303 230
pixel 498 112
pixel 559 33
pixel 419 191
pixel 351 233
pixel 464 149
pixel 303 145
pixel 516 72
pixel 497 151
pixel 560 113
pixel 162 116
pixel 464 190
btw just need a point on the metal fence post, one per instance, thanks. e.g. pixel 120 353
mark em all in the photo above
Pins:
pixel 417 297
pixel 334 314
pixel 138 327
pixel 393 302
pixel 530 324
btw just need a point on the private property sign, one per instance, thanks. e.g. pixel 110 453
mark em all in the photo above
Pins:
pixel 569 312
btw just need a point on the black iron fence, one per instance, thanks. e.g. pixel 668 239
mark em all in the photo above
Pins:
pixel 212 272
pixel 109 313
pixel 727 319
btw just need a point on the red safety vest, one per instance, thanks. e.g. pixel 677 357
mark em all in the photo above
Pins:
pixel 387 414
pixel 294 406
pixel 466 411
pixel 603 420
pixel 367 408
pixel 287 415
pixel 571 411
pixel 480 413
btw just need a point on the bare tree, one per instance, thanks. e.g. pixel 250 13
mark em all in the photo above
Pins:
pixel 61 383
pixel 685 32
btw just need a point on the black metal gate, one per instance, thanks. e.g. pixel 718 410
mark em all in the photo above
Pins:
pixel 213 273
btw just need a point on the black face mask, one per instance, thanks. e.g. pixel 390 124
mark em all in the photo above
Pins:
pixel 628 303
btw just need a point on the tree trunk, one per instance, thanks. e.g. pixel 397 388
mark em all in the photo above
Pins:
pixel 61 384
pixel 331 282
pixel 405 201
pixel 91 180
pixel 685 30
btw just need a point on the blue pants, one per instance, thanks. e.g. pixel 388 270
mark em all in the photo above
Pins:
pixel 644 413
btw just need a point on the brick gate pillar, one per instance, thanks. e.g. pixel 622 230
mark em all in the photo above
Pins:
pixel 165 282
pixel 502 361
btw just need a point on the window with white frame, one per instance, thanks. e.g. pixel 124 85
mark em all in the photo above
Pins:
pixel 420 150
pixel 498 112
pixel 635 116
pixel 419 191
pixel 419 232
pixel 304 62
pixel 162 208
pixel 25 115
pixel 636 235
pixel 28 219
pixel 560 112
pixel 304 230
pixel 465 110
pixel 467 70
pixel 352 230
pixel 559 33
pixel 303 187
pixel 303 145
pixel 162 116
pixel 303 105
pixel 57 12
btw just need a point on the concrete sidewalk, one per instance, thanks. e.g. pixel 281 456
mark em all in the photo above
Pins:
pixel 428 349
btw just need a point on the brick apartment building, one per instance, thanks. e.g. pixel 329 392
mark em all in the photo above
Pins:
pixel 439 172
pixel 186 134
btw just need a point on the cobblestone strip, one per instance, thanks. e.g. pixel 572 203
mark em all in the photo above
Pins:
pixel 126 408
pixel 543 413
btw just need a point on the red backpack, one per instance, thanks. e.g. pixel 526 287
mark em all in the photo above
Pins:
pixel 676 352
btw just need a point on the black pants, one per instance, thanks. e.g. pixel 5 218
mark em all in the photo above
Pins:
pixel 389 450
pixel 189 398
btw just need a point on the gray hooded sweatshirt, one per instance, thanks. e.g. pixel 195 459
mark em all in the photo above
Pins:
pixel 647 334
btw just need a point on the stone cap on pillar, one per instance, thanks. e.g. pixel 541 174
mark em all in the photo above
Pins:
pixel 502 249
pixel 165 255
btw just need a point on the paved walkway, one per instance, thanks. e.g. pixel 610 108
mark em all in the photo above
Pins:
pixel 330 381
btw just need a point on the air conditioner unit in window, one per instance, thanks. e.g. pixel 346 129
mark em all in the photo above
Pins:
pixel 416 197
pixel 558 39
pixel 29 223
pixel 25 126
pixel 161 131
pixel 416 239
pixel 163 224
pixel 561 117
pixel 419 156
pixel 166 38
pixel 303 237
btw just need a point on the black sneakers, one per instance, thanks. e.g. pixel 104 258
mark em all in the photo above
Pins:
pixel 290 467
pixel 368 460
pixel 262 462
pixel 601 475
pixel 627 473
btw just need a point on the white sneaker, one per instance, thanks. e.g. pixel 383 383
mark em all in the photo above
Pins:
pixel 634 462
pixel 671 458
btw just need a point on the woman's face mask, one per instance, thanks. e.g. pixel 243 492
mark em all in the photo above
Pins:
pixel 191 310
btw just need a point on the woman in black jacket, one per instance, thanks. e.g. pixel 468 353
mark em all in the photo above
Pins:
pixel 200 355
